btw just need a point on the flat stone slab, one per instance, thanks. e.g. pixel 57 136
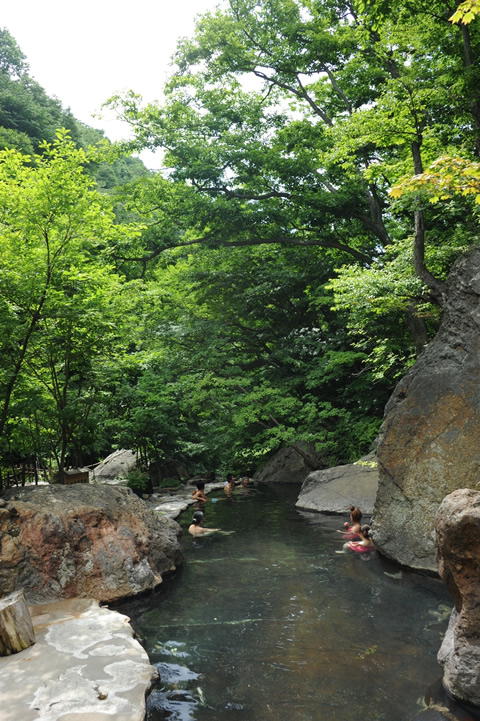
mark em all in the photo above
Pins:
pixel 85 664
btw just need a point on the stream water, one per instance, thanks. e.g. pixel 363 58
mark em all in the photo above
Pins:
pixel 268 623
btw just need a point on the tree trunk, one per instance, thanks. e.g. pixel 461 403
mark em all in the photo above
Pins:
pixel 437 287
pixel 418 329
pixel 16 628
pixel 469 63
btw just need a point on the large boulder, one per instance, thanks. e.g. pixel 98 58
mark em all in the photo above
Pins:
pixel 334 490
pixel 115 467
pixel 457 527
pixel 290 465
pixel 100 542
pixel 429 444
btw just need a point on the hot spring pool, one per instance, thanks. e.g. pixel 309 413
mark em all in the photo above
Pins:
pixel 269 624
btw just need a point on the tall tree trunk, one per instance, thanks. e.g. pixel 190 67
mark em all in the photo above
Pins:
pixel 475 102
pixel 436 286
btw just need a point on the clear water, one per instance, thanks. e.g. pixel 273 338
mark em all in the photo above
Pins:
pixel 270 624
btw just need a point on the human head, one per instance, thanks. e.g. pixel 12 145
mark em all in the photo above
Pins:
pixel 245 481
pixel 197 518
pixel 200 485
pixel 365 531
pixel 355 514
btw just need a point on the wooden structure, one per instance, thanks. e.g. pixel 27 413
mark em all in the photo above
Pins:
pixel 16 628
pixel 75 475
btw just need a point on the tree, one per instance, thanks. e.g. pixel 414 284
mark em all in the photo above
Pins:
pixel 12 61
pixel 286 124
pixel 466 12
pixel 343 103
pixel 236 354
pixel 57 282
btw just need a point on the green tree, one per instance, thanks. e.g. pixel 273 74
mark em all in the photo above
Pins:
pixel 57 281
pixel 343 103
pixel 291 121
pixel 235 354
pixel 12 61
pixel 286 124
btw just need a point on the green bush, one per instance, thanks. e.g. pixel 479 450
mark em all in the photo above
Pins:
pixel 138 481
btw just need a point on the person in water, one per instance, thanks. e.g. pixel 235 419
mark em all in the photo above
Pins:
pixel 352 529
pixel 365 545
pixel 196 527
pixel 229 484
pixel 199 494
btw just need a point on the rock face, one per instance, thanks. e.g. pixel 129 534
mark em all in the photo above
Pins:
pixel 334 490
pixel 99 542
pixel 458 553
pixel 288 466
pixel 115 467
pixel 429 444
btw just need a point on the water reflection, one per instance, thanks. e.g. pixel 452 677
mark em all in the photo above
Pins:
pixel 270 624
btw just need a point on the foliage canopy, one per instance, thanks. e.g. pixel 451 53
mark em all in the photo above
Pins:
pixel 274 280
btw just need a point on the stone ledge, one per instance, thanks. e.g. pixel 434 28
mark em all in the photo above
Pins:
pixel 85 663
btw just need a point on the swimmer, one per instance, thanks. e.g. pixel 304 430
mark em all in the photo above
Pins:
pixel 196 528
pixel 365 545
pixel 199 494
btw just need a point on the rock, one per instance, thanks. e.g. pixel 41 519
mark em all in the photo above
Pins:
pixel 85 665
pixel 334 490
pixel 457 526
pixel 115 468
pixel 442 707
pixel 169 468
pixel 100 542
pixel 429 443
pixel 288 466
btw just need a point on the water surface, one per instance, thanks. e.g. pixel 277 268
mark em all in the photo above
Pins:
pixel 270 624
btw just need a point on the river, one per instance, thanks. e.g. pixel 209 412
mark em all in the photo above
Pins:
pixel 268 623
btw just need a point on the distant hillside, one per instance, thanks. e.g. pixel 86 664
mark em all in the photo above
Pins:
pixel 28 116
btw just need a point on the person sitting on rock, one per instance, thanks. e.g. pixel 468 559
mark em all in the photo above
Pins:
pixel 352 529
pixel 365 545
pixel 199 494
pixel 196 527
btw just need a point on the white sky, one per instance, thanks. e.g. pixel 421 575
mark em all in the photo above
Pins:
pixel 84 52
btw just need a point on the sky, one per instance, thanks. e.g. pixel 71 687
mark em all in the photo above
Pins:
pixel 84 52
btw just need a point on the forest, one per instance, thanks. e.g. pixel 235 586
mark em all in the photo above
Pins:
pixel 273 281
